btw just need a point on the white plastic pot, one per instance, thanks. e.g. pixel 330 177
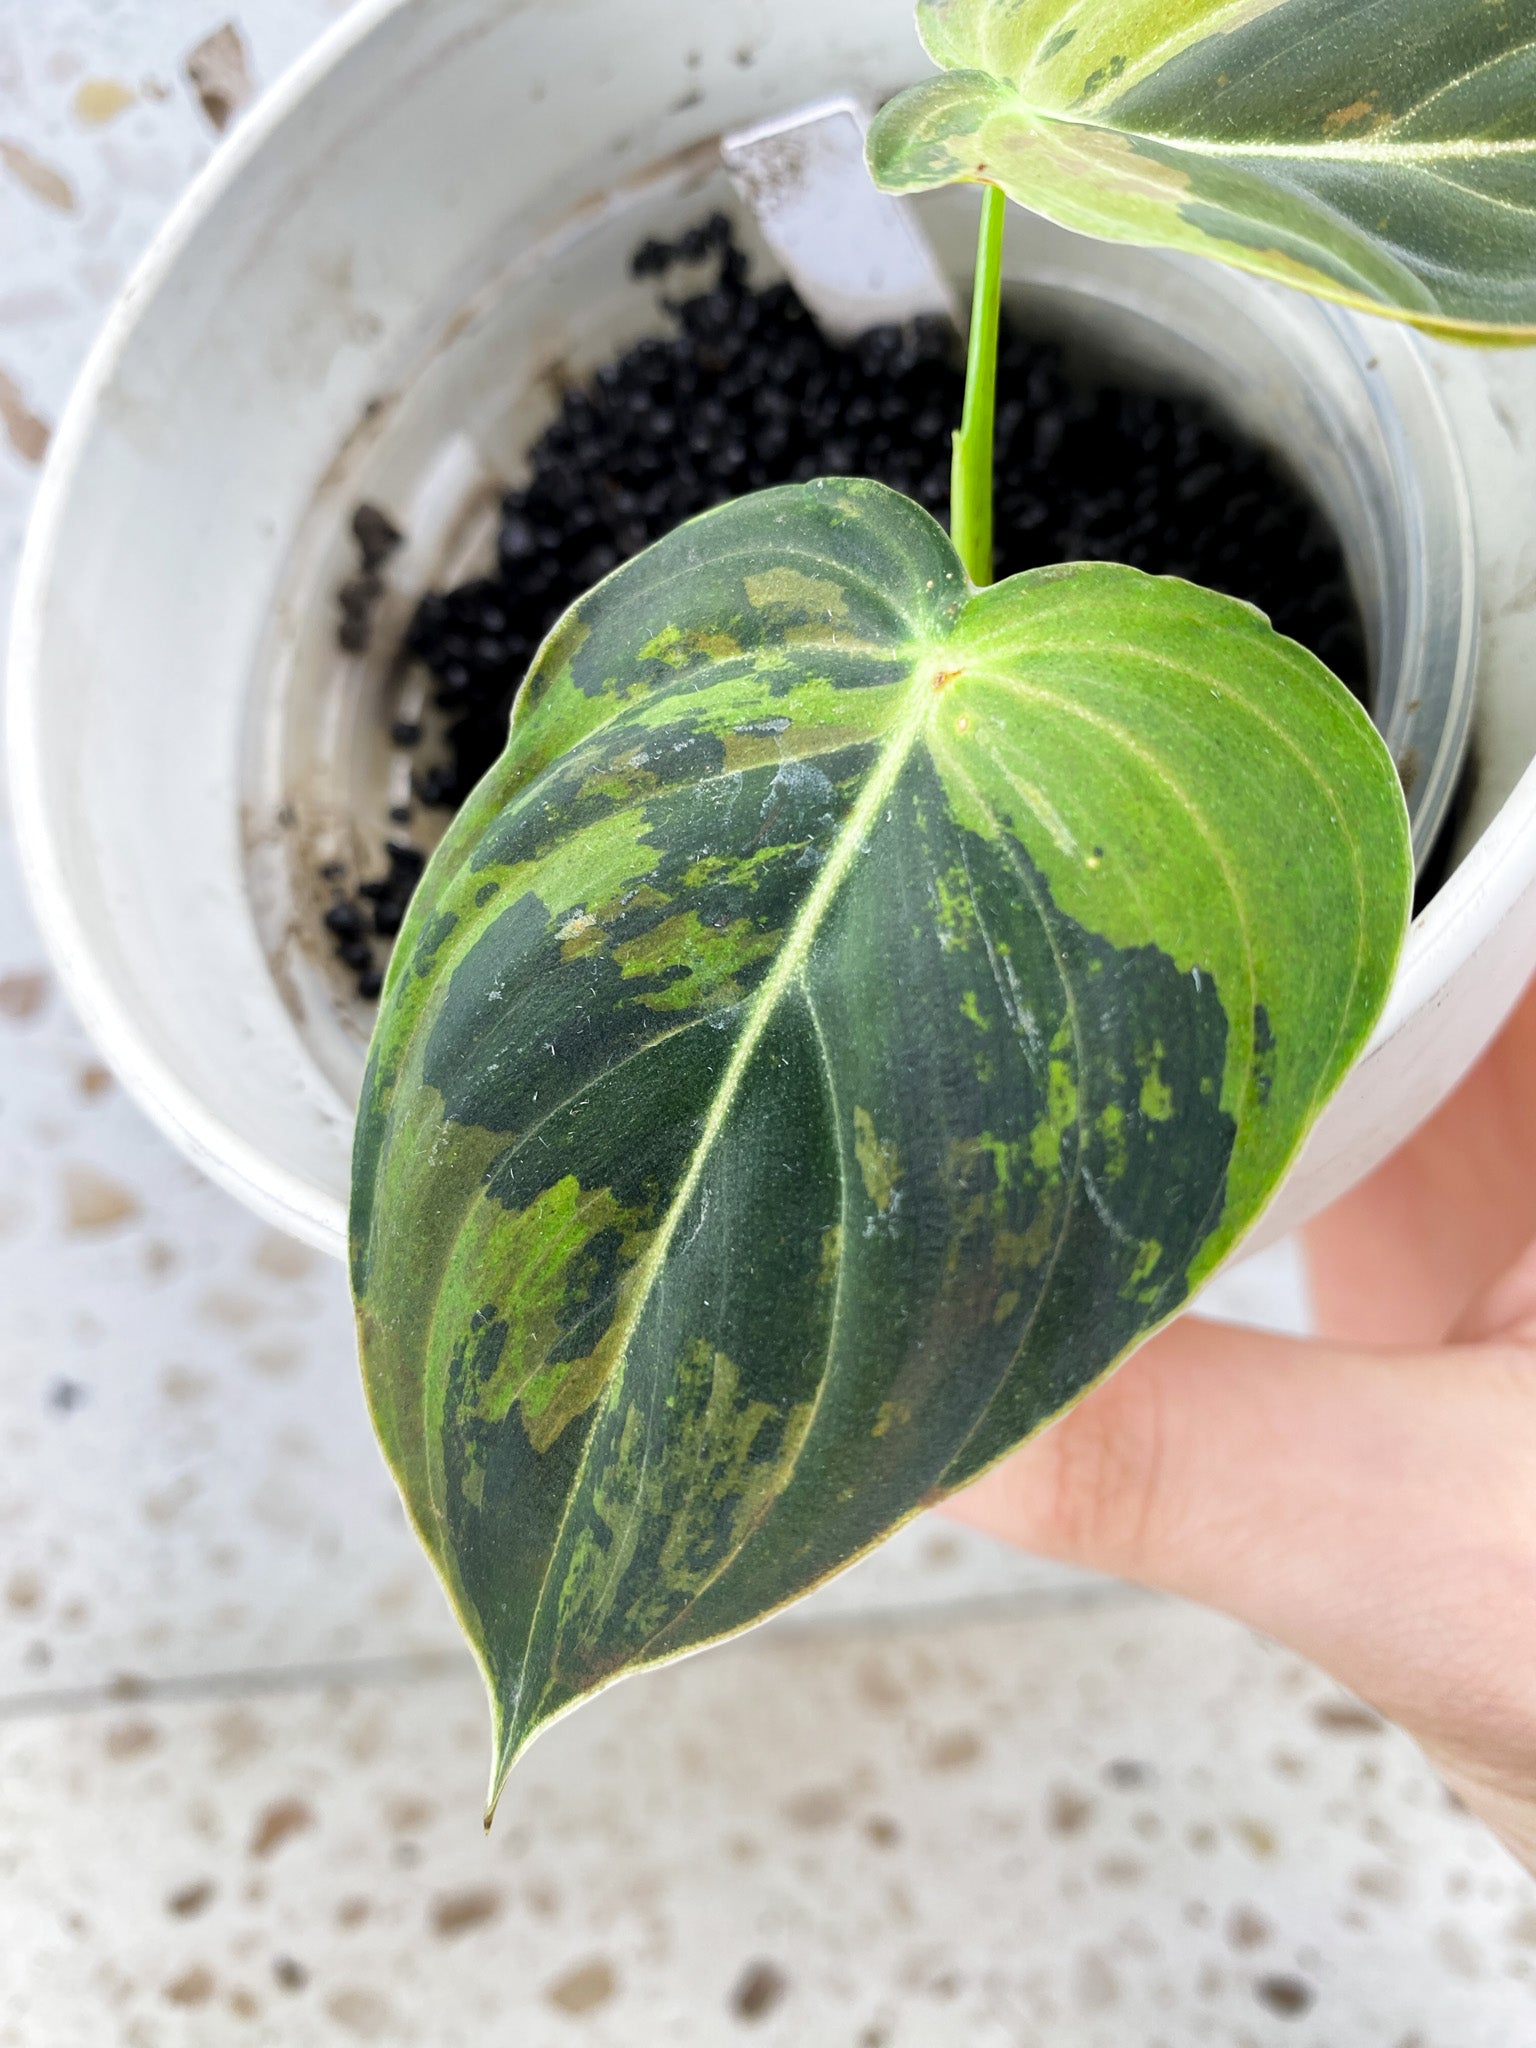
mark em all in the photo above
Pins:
pixel 358 301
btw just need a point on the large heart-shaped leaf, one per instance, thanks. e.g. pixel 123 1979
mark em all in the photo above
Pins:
pixel 854 1013
pixel 1379 152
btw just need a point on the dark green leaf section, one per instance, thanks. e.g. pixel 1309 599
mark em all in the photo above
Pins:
pixel 854 1013
pixel 1379 152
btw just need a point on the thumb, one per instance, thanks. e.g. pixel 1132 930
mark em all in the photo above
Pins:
pixel 1375 1510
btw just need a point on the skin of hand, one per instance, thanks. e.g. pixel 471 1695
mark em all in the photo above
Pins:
pixel 1368 1496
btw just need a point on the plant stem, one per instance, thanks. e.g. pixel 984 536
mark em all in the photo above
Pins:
pixel 970 511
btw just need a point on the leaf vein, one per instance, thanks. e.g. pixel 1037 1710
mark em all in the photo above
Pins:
pixel 760 1009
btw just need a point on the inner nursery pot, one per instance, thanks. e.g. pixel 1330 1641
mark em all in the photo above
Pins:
pixel 378 298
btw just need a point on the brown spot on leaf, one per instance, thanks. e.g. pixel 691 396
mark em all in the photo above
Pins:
pixel 279 1823
pixel 882 1831
pixel 100 100
pixel 130 1739
pixel 192 1987
pixel 289 1974
pixel 1067 1812
pixel 352 1912
pixel 28 435
pixel 220 73
pixel 457 1912
pixel 191 1900
pixel 22 995
pixel 760 1988
pixel 40 179
pixel 245 2005
pixel 94 1081
pixel 1347 1717
pixel 583 1989
pixel 94 1202
pixel 1288 1997
pixel 1352 116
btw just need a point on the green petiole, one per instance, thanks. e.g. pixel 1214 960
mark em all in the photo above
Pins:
pixel 970 518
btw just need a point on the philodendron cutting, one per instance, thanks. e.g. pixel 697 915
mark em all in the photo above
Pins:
pixel 865 1000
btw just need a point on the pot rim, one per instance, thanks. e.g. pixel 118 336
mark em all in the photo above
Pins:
pixel 1487 884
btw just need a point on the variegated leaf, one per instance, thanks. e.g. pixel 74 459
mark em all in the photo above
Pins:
pixel 853 1014
pixel 1378 152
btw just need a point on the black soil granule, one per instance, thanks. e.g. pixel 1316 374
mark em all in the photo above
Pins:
pixel 746 393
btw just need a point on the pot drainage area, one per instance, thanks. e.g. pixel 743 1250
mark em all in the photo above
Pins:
pixel 742 392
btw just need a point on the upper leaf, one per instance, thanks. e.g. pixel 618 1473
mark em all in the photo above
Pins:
pixel 1378 152
pixel 853 1014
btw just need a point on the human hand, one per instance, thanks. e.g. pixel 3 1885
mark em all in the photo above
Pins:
pixel 1367 1497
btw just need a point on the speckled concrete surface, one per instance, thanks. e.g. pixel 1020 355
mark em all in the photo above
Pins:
pixel 1127 1827
pixel 961 1801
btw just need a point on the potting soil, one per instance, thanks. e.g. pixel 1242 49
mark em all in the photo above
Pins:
pixel 746 392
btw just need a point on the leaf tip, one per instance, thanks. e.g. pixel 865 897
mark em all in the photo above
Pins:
pixel 513 1734
pixel 509 1747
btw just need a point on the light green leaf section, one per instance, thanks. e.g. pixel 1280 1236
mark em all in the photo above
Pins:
pixel 1377 152
pixel 855 1012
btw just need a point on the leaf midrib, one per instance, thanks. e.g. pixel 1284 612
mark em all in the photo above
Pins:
pixel 1358 149
pixel 1343 149
pixel 789 963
